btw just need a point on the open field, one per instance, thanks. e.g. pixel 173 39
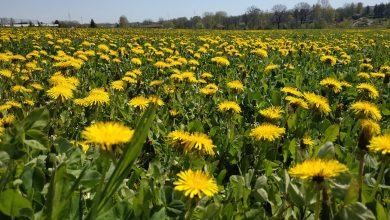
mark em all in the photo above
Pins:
pixel 181 124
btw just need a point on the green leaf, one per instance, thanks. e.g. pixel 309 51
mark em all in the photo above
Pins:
pixel 381 212
pixel 295 195
pixel 292 121
pixel 123 167
pixel 38 119
pixel 331 133
pixel 12 203
pixel 326 151
pixel 356 211
pixel 160 215
pixel 34 144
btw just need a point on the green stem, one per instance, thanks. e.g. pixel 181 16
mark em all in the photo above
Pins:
pixel 380 177
pixel 318 203
pixel 360 176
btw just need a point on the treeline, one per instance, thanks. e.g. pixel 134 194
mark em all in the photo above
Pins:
pixel 303 15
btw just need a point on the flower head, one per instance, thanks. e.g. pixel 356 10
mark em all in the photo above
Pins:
pixel 297 102
pixel 267 132
pixel 366 109
pixel 195 183
pixel 317 102
pixel 380 144
pixel 60 92
pixel 328 59
pixel 236 84
pixel 332 83
pixel 273 112
pixel 229 106
pixel 107 134
pixel 368 89
pixel 139 102
pixel 318 169
pixel 292 91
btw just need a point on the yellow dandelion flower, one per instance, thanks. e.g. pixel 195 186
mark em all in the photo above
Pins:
pixel 173 112
pixel 380 144
pixel 308 141
pixel 377 75
pixel 136 61
pixel 229 106
pixel 270 68
pixel 156 100
pixel 220 61
pixel 328 59
pixel 318 169
pixel 267 132
pixel 368 89
pixel 139 102
pixel 363 75
pixel 6 73
pixel 209 89
pixel 292 91
pixel 60 92
pixel 371 126
pixel 236 84
pixel 366 109
pixel 196 183
pixel 297 102
pixel 36 86
pixel 332 83
pixel 260 52
pixel 317 102
pixel 97 96
pixel 177 137
pixel 107 134
pixel 200 142
pixel 207 75
pixel 273 112
pixel 156 83
pixel 118 85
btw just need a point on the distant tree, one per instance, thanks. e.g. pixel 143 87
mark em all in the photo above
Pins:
pixel 11 22
pixel 302 11
pixel 279 14
pixel 208 20
pixel 31 24
pixel 252 17
pixel 123 22
pixel 359 8
pixel 92 24
pixel 56 22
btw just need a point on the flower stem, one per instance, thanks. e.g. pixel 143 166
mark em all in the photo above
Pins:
pixel 360 176
pixel 318 203
pixel 380 177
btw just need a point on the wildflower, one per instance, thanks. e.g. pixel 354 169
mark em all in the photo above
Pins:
pixel 136 61
pixel 229 106
pixel 328 59
pixel 368 89
pixel 236 84
pixel 118 85
pixel 371 126
pixel 139 102
pixel 318 102
pixel 260 52
pixel 297 102
pixel 107 134
pixel 267 132
pixel 331 83
pixel 200 142
pixel 195 183
pixel 60 92
pixel 380 144
pixel 366 109
pixel 270 68
pixel 318 169
pixel 273 112
pixel 292 91
pixel 156 100
pixel 221 61
pixel 209 89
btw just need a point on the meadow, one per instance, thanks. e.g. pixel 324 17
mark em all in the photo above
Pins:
pixel 194 124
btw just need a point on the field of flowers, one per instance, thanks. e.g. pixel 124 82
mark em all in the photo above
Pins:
pixel 174 124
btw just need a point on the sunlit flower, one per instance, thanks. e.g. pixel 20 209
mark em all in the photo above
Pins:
pixel 273 112
pixel 332 83
pixel 318 169
pixel 270 68
pixel 267 132
pixel 368 89
pixel 317 102
pixel 107 134
pixel 61 93
pixel 229 106
pixel 292 91
pixel 380 144
pixel 196 183
pixel 328 59
pixel 221 61
pixel 118 85
pixel 139 102
pixel 297 102
pixel 366 109
pixel 236 84
pixel 371 126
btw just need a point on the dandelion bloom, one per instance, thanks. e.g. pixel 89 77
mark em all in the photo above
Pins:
pixel 139 102
pixel 156 100
pixel 209 89
pixel 371 126
pixel 221 61
pixel 236 84
pixel 318 169
pixel 331 83
pixel 136 61
pixel 260 52
pixel 267 132
pixel 195 183
pixel 273 112
pixel 368 89
pixel 270 68
pixel 60 92
pixel 380 144
pixel 367 109
pixel 118 85
pixel 328 59
pixel 307 140
pixel 200 142
pixel 318 102
pixel 229 106
pixel 292 91
pixel 298 102
pixel 177 137
pixel 107 134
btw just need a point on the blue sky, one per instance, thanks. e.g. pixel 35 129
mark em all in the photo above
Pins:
pixel 110 10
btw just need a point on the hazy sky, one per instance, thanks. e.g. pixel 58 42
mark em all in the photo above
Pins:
pixel 110 10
